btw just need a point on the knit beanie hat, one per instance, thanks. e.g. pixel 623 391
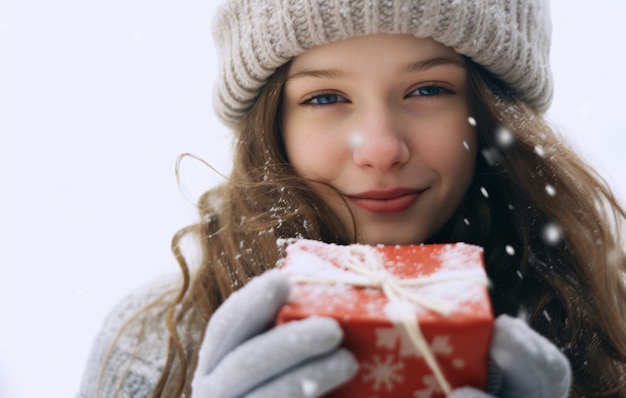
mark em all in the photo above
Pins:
pixel 510 38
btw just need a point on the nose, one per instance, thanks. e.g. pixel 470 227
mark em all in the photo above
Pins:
pixel 378 142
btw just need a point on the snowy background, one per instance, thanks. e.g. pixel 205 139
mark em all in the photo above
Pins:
pixel 97 100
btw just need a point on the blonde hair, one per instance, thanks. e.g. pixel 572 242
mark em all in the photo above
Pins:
pixel 570 286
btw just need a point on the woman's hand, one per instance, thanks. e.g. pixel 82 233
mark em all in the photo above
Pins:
pixel 243 356
pixel 524 364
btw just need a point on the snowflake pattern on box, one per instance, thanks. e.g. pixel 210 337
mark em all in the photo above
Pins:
pixel 387 372
pixel 389 337
pixel 432 387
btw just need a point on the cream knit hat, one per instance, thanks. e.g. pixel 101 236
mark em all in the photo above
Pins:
pixel 511 38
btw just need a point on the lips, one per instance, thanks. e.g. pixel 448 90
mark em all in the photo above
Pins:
pixel 388 201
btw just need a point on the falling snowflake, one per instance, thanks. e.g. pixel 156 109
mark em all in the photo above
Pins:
pixel 385 373
pixel 547 316
pixel 539 150
pixel 310 388
pixel 491 155
pixel 552 233
pixel 356 140
pixel 505 137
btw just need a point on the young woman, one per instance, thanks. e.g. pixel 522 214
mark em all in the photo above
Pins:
pixel 382 122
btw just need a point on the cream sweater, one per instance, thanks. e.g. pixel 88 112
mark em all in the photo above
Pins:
pixel 137 357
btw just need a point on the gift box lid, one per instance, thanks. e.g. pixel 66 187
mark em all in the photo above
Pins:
pixel 442 279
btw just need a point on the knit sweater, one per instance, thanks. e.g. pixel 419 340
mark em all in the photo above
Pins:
pixel 137 357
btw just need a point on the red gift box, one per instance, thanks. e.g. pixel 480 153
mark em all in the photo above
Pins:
pixel 418 318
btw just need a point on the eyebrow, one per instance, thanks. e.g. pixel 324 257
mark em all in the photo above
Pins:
pixel 321 73
pixel 418 66
pixel 421 66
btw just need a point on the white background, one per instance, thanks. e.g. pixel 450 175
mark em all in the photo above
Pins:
pixel 98 98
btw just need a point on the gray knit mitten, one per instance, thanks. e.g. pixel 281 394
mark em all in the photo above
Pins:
pixel 524 364
pixel 243 356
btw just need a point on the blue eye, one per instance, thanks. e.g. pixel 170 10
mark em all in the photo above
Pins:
pixel 325 99
pixel 430 91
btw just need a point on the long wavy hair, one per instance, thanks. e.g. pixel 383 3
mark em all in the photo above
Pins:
pixel 550 228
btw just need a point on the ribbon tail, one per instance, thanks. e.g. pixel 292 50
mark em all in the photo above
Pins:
pixel 411 326
pixel 416 336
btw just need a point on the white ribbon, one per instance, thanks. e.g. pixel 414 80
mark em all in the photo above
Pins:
pixel 376 276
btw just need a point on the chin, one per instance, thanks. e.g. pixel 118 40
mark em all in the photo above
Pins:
pixel 391 238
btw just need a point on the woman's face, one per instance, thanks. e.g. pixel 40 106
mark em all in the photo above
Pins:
pixel 382 119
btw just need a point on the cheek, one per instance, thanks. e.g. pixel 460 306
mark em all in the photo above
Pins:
pixel 451 151
pixel 315 153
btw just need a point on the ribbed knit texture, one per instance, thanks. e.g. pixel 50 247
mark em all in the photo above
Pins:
pixel 511 38
pixel 129 365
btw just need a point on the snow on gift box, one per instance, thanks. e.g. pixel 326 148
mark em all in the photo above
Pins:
pixel 418 318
